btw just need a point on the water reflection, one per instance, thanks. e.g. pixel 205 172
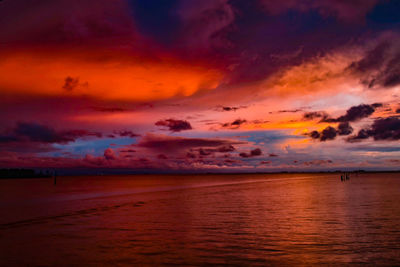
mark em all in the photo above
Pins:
pixel 248 219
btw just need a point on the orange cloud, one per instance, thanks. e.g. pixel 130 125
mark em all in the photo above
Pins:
pixel 320 74
pixel 97 74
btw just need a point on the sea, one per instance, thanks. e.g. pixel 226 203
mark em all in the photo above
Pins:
pixel 201 220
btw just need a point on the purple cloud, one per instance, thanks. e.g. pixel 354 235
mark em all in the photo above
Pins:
pixel 253 153
pixel 174 125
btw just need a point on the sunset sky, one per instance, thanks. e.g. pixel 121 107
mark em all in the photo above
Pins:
pixel 200 85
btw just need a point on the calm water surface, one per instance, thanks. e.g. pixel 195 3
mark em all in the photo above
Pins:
pixel 292 219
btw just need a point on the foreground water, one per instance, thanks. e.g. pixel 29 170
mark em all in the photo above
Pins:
pixel 292 219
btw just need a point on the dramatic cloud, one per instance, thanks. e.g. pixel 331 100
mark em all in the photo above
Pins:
pixel 386 129
pixel 253 153
pixel 348 11
pixel 40 133
pixel 344 128
pixel 172 144
pixel 380 66
pixel 91 83
pixel 381 129
pixel 355 113
pixel 63 22
pixel 362 134
pixel 206 20
pixel 314 135
pixel 329 133
pixel 175 125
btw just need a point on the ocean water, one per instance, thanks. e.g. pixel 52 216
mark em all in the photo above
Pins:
pixel 285 219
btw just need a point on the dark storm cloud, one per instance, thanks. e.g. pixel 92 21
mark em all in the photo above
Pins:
pixel 380 66
pixel 381 129
pixel 307 39
pixel 175 125
pixel 172 143
pixel 190 24
pixel 63 22
pixel 37 138
pixel 376 149
pixel 355 113
pixel 344 128
pixel 272 155
pixel 314 135
pixel 43 134
pixel 329 133
pixel 253 153
pixel 386 129
pixel 8 138
pixel 361 135
pixel 231 34
pixel 347 11
pixel 157 19
pixel 236 35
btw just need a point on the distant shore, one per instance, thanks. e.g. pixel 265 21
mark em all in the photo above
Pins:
pixel 31 173
pixel 23 174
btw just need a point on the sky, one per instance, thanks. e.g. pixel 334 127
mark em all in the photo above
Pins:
pixel 200 85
